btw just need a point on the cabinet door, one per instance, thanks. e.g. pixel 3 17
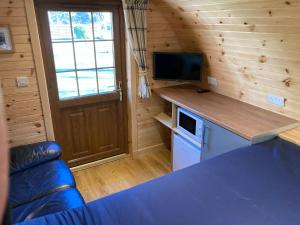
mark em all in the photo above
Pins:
pixel 218 140
pixel 184 153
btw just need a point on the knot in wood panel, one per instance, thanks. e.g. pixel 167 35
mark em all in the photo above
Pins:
pixel 287 81
pixel 263 59
pixel 38 125
pixel 181 9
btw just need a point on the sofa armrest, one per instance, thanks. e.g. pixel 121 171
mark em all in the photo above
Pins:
pixel 24 157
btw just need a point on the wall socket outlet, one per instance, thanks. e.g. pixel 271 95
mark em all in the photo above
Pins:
pixel 22 82
pixel 213 81
pixel 276 100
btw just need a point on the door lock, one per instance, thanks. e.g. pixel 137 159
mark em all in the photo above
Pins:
pixel 120 90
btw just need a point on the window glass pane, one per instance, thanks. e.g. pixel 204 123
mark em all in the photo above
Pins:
pixel 87 82
pixel 63 57
pixel 60 27
pixel 74 46
pixel 82 26
pixel 67 85
pixel 106 80
pixel 105 54
pixel 103 25
pixel 85 55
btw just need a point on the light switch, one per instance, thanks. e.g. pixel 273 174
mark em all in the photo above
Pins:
pixel 22 82
pixel 213 81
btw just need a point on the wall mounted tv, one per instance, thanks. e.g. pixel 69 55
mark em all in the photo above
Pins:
pixel 177 66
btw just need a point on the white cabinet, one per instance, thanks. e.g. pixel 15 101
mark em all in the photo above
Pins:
pixel 214 140
pixel 218 140
pixel 184 153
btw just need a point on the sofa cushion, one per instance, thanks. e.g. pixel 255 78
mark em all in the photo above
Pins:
pixel 39 181
pixel 55 202
pixel 24 157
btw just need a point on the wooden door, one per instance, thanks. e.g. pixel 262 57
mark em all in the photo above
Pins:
pixel 84 57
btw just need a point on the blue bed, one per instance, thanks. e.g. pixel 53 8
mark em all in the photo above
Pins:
pixel 256 185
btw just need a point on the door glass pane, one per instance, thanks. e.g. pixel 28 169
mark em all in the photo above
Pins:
pixel 106 80
pixel 82 26
pixel 87 81
pixel 85 57
pixel 67 85
pixel 105 54
pixel 83 49
pixel 60 27
pixel 103 25
pixel 63 57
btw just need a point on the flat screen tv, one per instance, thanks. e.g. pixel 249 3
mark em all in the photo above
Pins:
pixel 177 66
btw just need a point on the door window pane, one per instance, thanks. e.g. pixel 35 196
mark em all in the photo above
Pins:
pixel 83 49
pixel 105 54
pixel 106 80
pixel 63 57
pixel 87 81
pixel 85 55
pixel 82 26
pixel 60 27
pixel 103 25
pixel 67 85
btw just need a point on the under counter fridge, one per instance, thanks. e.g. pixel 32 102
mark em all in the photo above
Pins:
pixel 184 153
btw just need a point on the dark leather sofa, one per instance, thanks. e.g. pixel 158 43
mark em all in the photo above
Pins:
pixel 40 183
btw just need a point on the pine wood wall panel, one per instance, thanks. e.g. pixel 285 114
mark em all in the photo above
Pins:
pixel 24 112
pixel 252 47
pixel 161 37
pixel 23 105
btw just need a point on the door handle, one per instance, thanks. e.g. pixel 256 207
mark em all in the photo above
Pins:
pixel 206 135
pixel 120 90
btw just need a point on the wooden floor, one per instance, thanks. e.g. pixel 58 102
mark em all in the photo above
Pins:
pixel 99 181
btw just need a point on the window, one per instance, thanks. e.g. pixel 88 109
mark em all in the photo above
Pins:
pixel 83 49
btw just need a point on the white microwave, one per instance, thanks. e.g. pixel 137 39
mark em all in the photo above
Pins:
pixel 190 124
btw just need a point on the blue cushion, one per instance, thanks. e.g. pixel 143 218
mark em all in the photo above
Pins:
pixel 24 157
pixel 38 181
pixel 55 202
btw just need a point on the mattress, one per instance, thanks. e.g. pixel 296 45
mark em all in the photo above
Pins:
pixel 256 185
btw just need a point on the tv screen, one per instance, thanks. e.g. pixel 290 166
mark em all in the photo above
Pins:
pixel 177 66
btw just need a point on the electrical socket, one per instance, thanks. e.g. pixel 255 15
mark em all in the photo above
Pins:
pixel 213 81
pixel 276 100
pixel 22 81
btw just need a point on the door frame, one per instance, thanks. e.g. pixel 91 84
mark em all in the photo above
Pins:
pixel 39 66
pixel 129 80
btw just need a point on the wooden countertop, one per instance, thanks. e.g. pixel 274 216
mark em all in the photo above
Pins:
pixel 248 121
pixel 292 135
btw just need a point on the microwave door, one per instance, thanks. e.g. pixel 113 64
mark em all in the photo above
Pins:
pixel 187 123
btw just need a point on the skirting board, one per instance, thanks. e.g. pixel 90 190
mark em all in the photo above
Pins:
pixel 99 162
pixel 118 157
pixel 149 149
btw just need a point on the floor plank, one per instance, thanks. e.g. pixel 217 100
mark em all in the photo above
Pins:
pixel 292 135
pixel 99 181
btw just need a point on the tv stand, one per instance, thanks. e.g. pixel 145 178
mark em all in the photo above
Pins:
pixel 248 121
pixel 231 123
pixel 228 124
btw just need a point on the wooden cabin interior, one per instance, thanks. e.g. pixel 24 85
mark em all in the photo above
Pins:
pixel 71 77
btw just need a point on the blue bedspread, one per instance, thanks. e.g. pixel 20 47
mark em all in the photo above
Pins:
pixel 256 185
